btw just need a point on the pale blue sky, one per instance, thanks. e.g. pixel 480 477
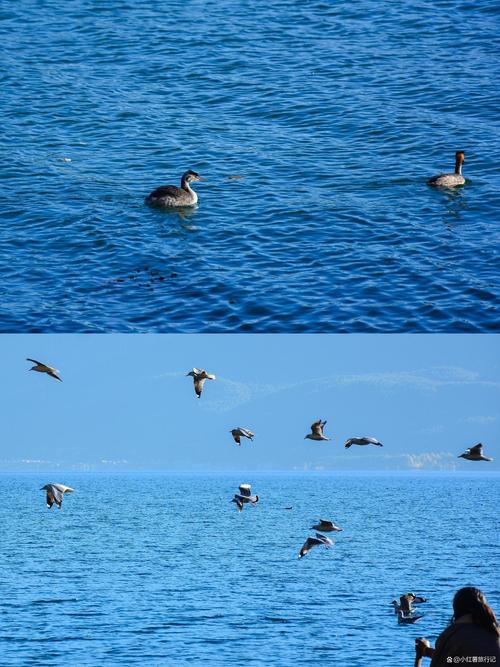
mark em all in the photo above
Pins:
pixel 125 403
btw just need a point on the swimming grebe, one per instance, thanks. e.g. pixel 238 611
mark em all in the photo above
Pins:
pixel 171 196
pixel 450 180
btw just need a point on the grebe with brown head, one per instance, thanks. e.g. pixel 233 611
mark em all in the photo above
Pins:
pixel 170 196
pixel 450 180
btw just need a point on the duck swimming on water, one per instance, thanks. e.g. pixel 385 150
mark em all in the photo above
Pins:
pixel 450 180
pixel 170 196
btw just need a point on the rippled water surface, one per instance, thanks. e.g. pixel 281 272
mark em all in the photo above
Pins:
pixel 333 115
pixel 162 569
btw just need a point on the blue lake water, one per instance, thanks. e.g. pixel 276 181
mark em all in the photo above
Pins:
pixel 162 570
pixel 333 115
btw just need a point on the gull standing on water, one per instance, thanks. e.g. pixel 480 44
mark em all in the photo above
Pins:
pixel 239 433
pixel 450 180
pixel 475 454
pixel 325 526
pixel 199 376
pixel 43 368
pixel 314 542
pixel 244 497
pixel 362 441
pixel 317 431
pixel 170 196
pixel 55 493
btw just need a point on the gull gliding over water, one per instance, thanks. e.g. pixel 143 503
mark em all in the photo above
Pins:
pixel 43 368
pixel 55 493
pixel 244 497
pixel 475 454
pixel 362 441
pixel 239 433
pixel 314 542
pixel 317 431
pixel 199 376
pixel 326 526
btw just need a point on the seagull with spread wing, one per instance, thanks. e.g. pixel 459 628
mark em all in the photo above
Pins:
pixel 55 493
pixel 475 454
pixel 325 526
pixel 239 433
pixel 362 441
pixel 43 368
pixel 199 376
pixel 244 497
pixel 317 431
pixel 314 542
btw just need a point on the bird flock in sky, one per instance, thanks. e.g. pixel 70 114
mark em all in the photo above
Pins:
pixel 55 492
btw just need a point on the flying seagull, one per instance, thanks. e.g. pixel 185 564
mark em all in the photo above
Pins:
pixel 362 441
pixel 475 454
pixel 55 493
pixel 314 542
pixel 199 376
pixel 244 497
pixel 43 368
pixel 317 431
pixel 325 526
pixel 239 433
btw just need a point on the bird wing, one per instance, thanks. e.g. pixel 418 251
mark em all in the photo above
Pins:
pixel 246 433
pixel 167 191
pixel 245 489
pixel 317 427
pixel 324 540
pixel 238 502
pixel 35 361
pixel 53 373
pixel 325 522
pixel 57 493
pixel 236 437
pixel 63 488
pixel 477 449
pixel 308 545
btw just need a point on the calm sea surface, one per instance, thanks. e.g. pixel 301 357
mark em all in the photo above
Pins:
pixel 162 569
pixel 333 114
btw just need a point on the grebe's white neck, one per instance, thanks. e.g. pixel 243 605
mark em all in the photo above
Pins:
pixel 185 186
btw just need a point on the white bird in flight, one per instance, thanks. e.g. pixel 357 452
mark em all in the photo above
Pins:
pixel 475 454
pixel 239 433
pixel 317 431
pixel 325 526
pixel 43 368
pixel 314 542
pixel 244 497
pixel 199 376
pixel 362 441
pixel 55 493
